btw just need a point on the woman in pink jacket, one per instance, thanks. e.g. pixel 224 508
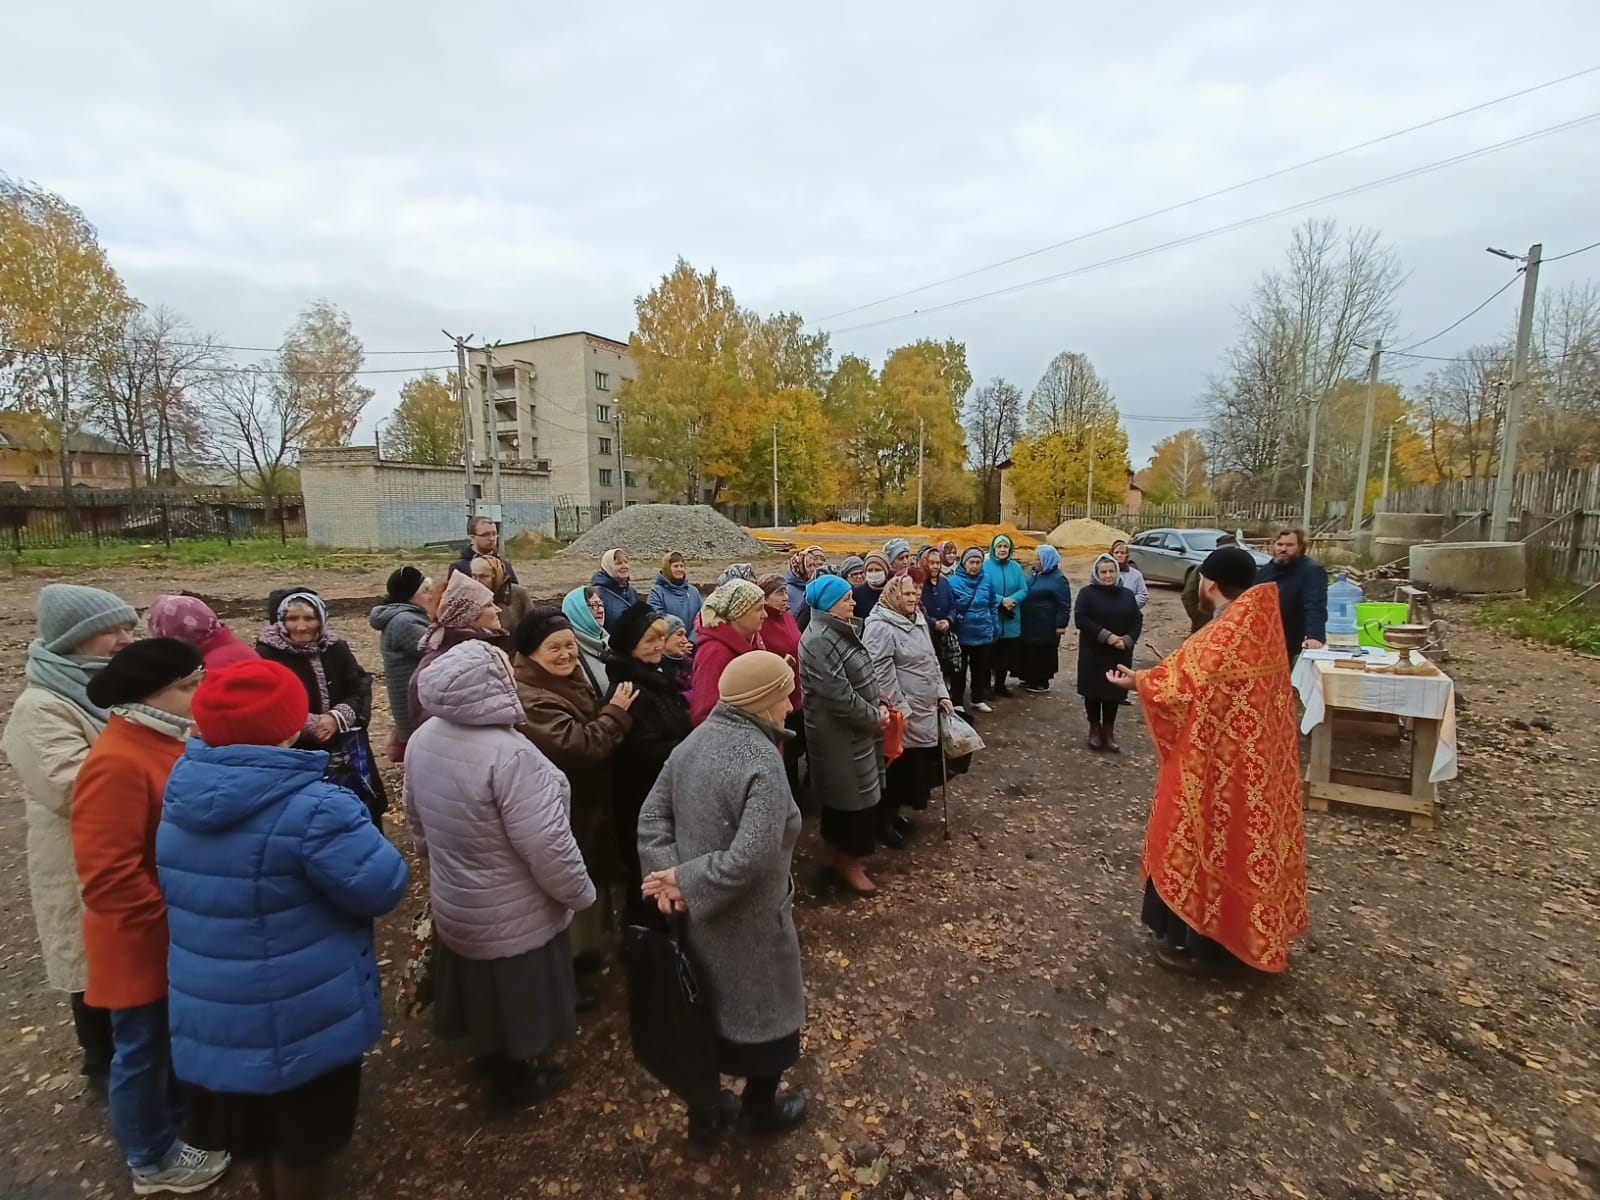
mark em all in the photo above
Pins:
pixel 190 619
pixel 489 813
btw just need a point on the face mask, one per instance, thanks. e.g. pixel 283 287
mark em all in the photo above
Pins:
pixel 875 579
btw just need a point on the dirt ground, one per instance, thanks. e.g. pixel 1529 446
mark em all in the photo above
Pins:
pixel 993 1024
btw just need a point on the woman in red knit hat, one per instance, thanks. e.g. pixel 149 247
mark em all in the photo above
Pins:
pixel 272 878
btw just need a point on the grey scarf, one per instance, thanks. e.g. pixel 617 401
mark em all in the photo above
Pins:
pixel 67 675
pixel 154 718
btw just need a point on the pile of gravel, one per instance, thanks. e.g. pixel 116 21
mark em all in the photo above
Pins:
pixel 652 530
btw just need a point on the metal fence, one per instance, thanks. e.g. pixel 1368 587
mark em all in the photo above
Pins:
pixel 1258 518
pixel 40 519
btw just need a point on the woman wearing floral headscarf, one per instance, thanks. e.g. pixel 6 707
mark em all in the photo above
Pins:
pixel 730 625
pixel 190 619
pixel 585 609
pixel 466 612
pixel 799 574
pixel 338 688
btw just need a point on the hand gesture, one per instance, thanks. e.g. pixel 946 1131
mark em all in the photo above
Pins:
pixel 941 626
pixel 1311 644
pixel 624 696
pixel 1117 642
pixel 327 726
pixel 662 887
pixel 883 714
pixel 945 706
pixel 1123 677
pixel 1008 604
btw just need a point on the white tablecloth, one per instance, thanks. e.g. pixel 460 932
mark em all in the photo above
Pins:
pixel 1432 697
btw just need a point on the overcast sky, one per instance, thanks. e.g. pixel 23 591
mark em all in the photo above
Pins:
pixel 505 169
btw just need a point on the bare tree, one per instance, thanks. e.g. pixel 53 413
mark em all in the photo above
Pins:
pixel 258 421
pixel 1069 397
pixel 1305 329
pixel 1564 403
pixel 993 421
pixel 1461 406
pixel 140 395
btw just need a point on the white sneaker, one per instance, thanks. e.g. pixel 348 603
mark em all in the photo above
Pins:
pixel 186 1169
pixel 980 706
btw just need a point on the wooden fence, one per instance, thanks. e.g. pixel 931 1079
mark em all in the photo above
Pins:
pixel 1557 513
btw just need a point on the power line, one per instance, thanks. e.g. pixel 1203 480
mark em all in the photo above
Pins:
pixel 276 349
pixel 1203 235
pixel 1171 208
pixel 1570 253
pixel 210 370
pixel 1495 296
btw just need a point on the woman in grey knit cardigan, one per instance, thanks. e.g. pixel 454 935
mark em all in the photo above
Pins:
pixel 716 838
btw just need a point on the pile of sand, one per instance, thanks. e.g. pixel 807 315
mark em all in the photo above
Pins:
pixel 649 531
pixel 1084 534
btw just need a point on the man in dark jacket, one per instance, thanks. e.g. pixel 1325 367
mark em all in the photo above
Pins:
pixel 1198 617
pixel 483 536
pixel 1302 592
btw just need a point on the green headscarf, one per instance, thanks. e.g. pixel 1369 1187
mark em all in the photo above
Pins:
pixel 575 608
pixel 1006 538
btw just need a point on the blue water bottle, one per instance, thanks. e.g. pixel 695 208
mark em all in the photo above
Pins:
pixel 1343 596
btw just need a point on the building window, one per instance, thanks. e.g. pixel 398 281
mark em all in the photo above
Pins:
pixel 627 478
pixel 602 382
pixel 606 509
pixel 605 445
pixel 602 413
pixel 605 476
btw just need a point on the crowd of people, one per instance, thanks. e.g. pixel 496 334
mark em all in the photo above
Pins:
pixel 206 845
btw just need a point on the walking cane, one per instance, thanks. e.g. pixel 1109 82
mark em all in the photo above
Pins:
pixel 944 792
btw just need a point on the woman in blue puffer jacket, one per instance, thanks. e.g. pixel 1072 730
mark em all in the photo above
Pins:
pixel 977 624
pixel 272 878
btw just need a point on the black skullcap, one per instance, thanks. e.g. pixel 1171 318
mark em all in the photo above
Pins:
pixel 538 625
pixel 403 584
pixel 628 630
pixel 141 669
pixel 1231 568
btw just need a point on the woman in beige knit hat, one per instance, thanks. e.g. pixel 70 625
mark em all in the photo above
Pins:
pixel 717 837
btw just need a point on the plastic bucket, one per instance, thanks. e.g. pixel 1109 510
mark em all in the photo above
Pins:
pixel 1372 617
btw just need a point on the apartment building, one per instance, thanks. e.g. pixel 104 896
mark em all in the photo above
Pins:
pixel 554 401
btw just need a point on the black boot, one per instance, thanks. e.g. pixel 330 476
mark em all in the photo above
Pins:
pixel 517 1085
pixel 705 1127
pixel 781 1115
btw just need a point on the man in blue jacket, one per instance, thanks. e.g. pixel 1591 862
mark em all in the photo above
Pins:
pixel 1302 592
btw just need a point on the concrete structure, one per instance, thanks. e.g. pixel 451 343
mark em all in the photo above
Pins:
pixel 1471 568
pixel 355 500
pixel 555 403
pixel 28 458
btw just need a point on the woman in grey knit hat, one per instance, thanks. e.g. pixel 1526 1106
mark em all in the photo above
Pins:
pixel 52 726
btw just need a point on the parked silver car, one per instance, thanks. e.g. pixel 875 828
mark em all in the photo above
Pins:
pixel 1168 555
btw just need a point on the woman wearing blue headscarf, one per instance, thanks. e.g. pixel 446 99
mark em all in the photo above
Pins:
pixel 1046 615
pixel 586 610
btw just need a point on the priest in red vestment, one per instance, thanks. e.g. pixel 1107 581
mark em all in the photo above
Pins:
pixel 1224 854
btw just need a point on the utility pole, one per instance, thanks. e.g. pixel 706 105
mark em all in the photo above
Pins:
pixel 1360 505
pixel 1388 457
pixel 491 426
pixel 622 465
pixel 1311 459
pixel 921 439
pixel 466 415
pixel 1506 480
pixel 774 474
pixel 1088 495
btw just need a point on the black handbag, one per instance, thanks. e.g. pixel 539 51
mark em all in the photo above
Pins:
pixel 670 1018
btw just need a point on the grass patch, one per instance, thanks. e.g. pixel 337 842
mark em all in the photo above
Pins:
pixel 198 552
pixel 1576 627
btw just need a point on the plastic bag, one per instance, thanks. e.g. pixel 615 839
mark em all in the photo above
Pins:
pixel 670 1018
pixel 958 738
pixel 894 735
pixel 416 977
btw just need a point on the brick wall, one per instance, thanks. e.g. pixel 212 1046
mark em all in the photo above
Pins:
pixel 354 500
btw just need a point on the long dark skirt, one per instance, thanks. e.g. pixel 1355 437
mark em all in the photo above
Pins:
pixel 909 781
pixel 1038 662
pixel 304 1126
pixel 758 1060
pixel 852 833
pixel 1175 931
pixel 518 1006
